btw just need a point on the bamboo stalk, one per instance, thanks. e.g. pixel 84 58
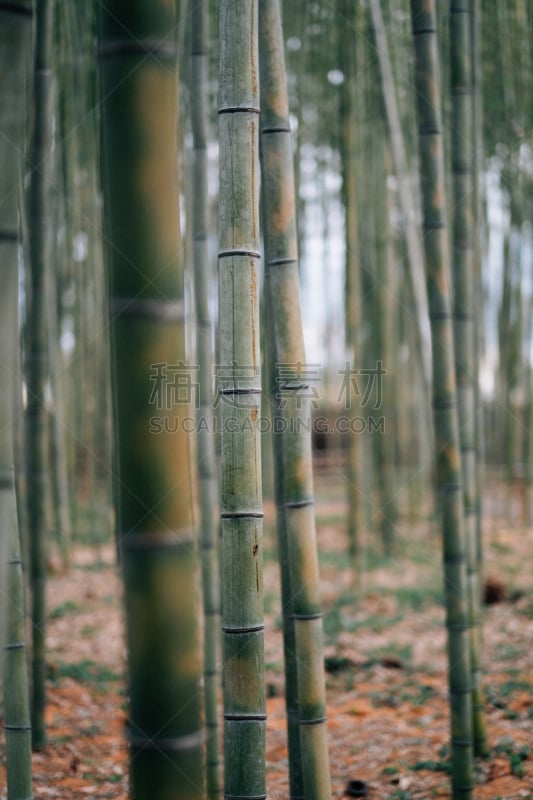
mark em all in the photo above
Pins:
pixel 448 464
pixel 352 280
pixel 139 85
pixel 15 50
pixel 207 466
pixel 37 415
pixel 239 391
pixel 415 266
pixel 464 327
pixel 290 404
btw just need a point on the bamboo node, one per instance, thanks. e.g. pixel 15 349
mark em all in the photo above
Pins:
pixel 315 721
pixel 298 503
pixel 8 234
pixel 248 629
pixel 14 728
pixel 280 129
pixel 239 110
pixel 279 262
pixel 239 252
pixel 149 308
pixel 175 743
pixel 15 646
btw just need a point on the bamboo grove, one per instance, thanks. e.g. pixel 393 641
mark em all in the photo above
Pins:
pixel 177 179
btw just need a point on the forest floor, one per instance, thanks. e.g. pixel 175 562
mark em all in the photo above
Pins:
pixel 385 660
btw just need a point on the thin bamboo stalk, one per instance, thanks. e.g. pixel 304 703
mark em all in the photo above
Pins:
pixel 448 464
pixel 291 407
pixel 464 327
pixel 40 251
pixel 415 266
pixel 139 85
pixel 207 467
pixel 239 391
pixel 352 279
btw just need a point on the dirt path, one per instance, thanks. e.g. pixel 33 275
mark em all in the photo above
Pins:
pixel 387 696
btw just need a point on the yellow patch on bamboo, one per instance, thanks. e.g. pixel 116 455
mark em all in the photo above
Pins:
pixel 155 182
pixel 252 180
pixel 253 37
pixel 284 214
pixel 253 301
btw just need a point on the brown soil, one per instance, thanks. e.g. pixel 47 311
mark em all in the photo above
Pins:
pixel 386 670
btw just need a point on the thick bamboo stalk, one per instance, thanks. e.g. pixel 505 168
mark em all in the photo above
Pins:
pixel 239 391
pixel 448 464
pixel 37 370
pixel 15 50
pixel 291 407
pixel 462 160
pixel 207 466
pixel 139 85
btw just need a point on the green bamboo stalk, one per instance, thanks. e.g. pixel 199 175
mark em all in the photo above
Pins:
pixel 139 91
pixel 207 467
pixel 448 464
pixel 462 159
pixel 15 55
pixel 383 322
pixel 15 32
pixel 239 383
pixel 477 204
pixel 352 280
pixel 408 202
pixel 41 229
pixel 290 404
pixel 15 667
pixel 58 444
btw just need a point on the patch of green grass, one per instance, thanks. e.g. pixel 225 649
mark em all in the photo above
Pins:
pixel 402 652
pixel 68 607
pixel 392 770
pixel 331 519
pixel 63 739
pixel 527 609
pixel 511 686
pixel 335 621
pixel 515 753
pixel 400 794
pixel 333 559
pixel 507 652
pixel 85 671
pixel 419 696
pixel 502 549
pixel 88 630
pixel 419 598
